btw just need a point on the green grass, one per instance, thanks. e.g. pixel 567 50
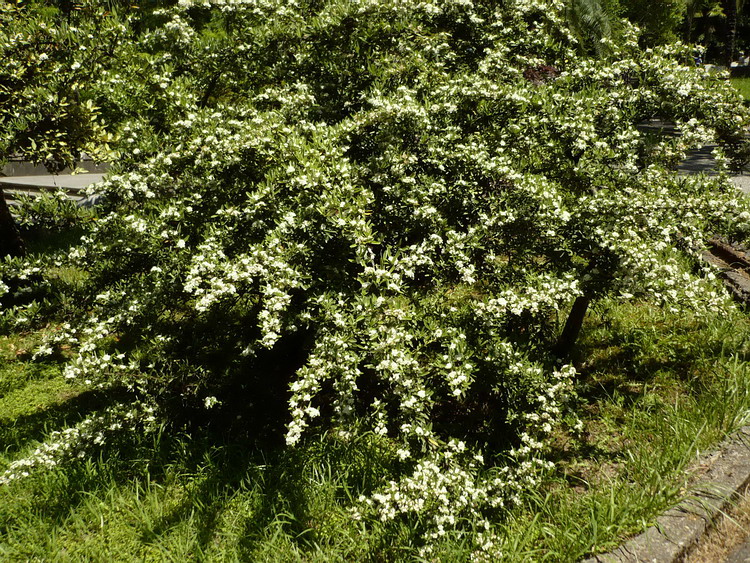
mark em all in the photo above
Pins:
pixel 743 87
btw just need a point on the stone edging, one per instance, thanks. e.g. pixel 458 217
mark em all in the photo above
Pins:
pixel 723 475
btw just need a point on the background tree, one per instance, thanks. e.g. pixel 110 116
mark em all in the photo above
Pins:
pixel 732 10
pixel 660 22
pixel 594 20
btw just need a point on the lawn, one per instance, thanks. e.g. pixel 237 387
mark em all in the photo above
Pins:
pixel 743 87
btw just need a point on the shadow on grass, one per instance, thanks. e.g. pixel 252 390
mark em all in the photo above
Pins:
pixel 292 491
pixel 289 490
pixel 638 367
pixel 45 241
pixel 23 429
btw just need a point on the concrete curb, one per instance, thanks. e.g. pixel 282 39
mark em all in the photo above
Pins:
pixel 722 476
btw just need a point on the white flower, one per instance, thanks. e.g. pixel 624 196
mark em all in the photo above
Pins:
pixel 211 402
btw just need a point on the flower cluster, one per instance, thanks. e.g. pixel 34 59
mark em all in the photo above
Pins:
pixel 77 442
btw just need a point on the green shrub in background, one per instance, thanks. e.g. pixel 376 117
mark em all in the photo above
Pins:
pixel 49 213
pixel 376 216
pixel 47 112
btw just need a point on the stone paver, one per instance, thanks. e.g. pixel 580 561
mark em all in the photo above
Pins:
pixel 741 554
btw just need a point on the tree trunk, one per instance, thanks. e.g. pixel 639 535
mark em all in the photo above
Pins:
pixel 730 29
pixel 11 243
pixel 572 329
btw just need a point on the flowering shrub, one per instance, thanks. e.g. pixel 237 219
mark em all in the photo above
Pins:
pixel 381 211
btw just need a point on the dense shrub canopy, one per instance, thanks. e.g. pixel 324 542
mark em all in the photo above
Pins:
pixel 375 215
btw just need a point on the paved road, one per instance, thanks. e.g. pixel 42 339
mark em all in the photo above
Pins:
pixel 14 186
pixel 703 161
pixel 66 181
pixel 698 161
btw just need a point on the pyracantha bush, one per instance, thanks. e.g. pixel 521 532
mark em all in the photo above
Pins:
pixel 381 212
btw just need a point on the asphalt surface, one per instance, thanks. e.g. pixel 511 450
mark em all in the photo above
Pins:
pixel 65 181
pixel 702 161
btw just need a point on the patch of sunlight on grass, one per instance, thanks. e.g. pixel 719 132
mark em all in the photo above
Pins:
pixel 743 87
